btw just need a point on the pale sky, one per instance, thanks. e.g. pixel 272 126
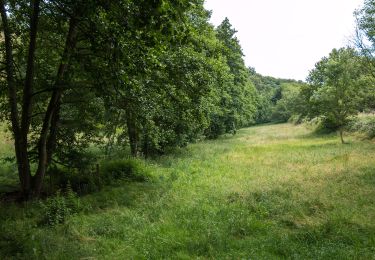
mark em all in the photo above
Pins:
pixel 285 38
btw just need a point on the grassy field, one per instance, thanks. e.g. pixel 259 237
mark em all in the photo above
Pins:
pixel 270 192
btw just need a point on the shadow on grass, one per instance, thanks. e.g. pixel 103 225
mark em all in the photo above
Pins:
pixel 127 195
pixel 320 133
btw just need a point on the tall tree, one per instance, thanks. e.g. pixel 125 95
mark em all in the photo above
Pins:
pixel 155 73
pixel 21 112
pixel 237 103
pixel 36 81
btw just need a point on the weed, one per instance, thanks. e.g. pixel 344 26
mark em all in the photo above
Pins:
pixel 57 209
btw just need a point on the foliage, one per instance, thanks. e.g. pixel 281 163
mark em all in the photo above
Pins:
pixel 237 93
pixel 147 75
pixel 276 98
pixel 336 89
pixel 89 180
pixel 287 105
pixel 363 124
pixel 59 208
pixel 365 40
pixel 130 169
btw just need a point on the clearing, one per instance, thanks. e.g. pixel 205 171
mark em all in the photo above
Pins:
pixel 272 191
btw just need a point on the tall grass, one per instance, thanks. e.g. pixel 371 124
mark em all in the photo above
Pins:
pixel 274 191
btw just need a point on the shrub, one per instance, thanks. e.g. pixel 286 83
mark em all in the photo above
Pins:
pixel 296 119
pixel 363 124
pixel 128 169
pixel 58 208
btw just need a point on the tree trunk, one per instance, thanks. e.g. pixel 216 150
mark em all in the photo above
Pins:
pixel 49 124
pixel 51 141
pixel 28 86
pixel 27 99
pixel 145 146
pixel 20 144
pixel 21 128
pixel 341 136
pixel 132 134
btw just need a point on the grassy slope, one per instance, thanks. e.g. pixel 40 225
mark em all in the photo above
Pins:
pixel 272 191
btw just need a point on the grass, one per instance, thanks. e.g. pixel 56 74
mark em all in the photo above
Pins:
pixel 270 192
pixel 7 169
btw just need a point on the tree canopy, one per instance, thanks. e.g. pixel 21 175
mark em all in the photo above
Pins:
pixel 336 89
pixel 147 75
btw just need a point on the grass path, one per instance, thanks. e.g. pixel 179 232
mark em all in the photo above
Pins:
pixel 270 192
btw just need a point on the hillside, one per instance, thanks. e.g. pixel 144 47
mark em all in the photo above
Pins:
pixel 272 191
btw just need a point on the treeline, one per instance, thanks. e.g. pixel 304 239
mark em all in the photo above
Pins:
pixel 148 75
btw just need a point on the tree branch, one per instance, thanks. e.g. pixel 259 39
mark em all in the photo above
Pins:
pixel 28 87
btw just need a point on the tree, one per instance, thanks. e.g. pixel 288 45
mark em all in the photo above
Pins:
pixel 161 78
pixel 275 97
pixel 285 106
pixel 237 93
pixel 146 74
pixel 335 90
pixel 54 52
pixel 30 96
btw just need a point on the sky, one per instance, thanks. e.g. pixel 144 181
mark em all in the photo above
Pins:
pixel 285 38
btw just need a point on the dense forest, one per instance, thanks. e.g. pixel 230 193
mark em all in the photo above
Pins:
pixel 90 91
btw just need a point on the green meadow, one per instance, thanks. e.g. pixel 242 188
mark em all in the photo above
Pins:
pixel 269 192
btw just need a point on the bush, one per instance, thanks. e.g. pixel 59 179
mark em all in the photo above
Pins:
pixel 296 119
pixel 363 124
pixel 58 208
pixel 129 169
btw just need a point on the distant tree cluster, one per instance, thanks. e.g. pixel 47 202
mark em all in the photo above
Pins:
pixel 276 98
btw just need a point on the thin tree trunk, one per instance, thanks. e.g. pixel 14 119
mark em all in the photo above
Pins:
pixel 53 107
pixel 132 134
pixel 341 136
pixel 28 87
pixel 145 147
pixel 27 98
pixel 51 141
